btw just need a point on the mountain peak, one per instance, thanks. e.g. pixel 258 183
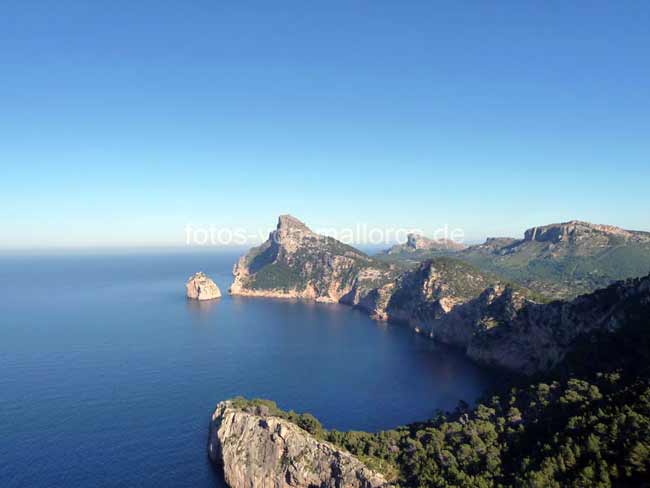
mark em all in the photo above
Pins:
pixel 416 241
pixel 287 221
pixel 295 262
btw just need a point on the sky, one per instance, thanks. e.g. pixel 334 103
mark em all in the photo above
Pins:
pixel 122 123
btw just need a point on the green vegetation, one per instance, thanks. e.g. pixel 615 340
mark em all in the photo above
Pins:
pixel 585 425
pixel 461 281
pixel 278 276
pixel 309 264
pixel 564 272
pixel 557 271
pixel 413 258
pixel 260 406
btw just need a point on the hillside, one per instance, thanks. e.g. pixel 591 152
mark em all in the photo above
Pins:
pixel 558 261
pixel 443 298
pixel 495 322
pixel 567 259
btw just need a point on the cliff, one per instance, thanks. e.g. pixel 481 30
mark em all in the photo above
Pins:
pixel 295 262
pixel 200 287
pixel 536 337
pixel 447 300
pixel 497 324
pixel 592 234
pixel 259 450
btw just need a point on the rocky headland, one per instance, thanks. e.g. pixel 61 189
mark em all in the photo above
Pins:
pixel 260 450
pixel 200 287
pixel 295 262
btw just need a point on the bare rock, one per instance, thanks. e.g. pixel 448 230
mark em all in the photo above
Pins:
pixel 258 450
pixel 295 262
pixel 200 287
pixel 416 242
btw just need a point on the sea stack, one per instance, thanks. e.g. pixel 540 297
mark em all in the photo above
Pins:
pixel 200 287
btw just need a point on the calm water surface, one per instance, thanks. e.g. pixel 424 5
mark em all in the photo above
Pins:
pixel 108 375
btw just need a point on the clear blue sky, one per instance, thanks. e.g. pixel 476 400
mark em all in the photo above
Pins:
pixel 123 121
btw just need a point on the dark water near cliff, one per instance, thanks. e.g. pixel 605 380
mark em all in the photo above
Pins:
pixel 108 374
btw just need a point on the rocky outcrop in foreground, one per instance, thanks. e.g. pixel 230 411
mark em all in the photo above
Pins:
pixel 200 287
pixel 258 450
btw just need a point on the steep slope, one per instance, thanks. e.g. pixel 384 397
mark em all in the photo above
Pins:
pixel 295 262
pixel 497 323
pixel 446 299
pixel 536 337
pixel 260 450
pixel 567 259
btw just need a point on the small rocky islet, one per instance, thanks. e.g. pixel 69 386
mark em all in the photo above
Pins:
pixel 200 287
pixel 449 297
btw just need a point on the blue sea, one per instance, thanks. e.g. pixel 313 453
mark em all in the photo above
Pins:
pixel 108 374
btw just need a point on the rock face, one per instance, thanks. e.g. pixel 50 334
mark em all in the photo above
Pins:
pixel 496 324
pixel 295 262
pixel 415 243
pixel 576 230
pixel 200 287
pixel 447 300
pixel 261 451
pixel 535 337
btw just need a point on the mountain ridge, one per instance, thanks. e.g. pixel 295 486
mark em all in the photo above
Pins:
pixel 559 260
